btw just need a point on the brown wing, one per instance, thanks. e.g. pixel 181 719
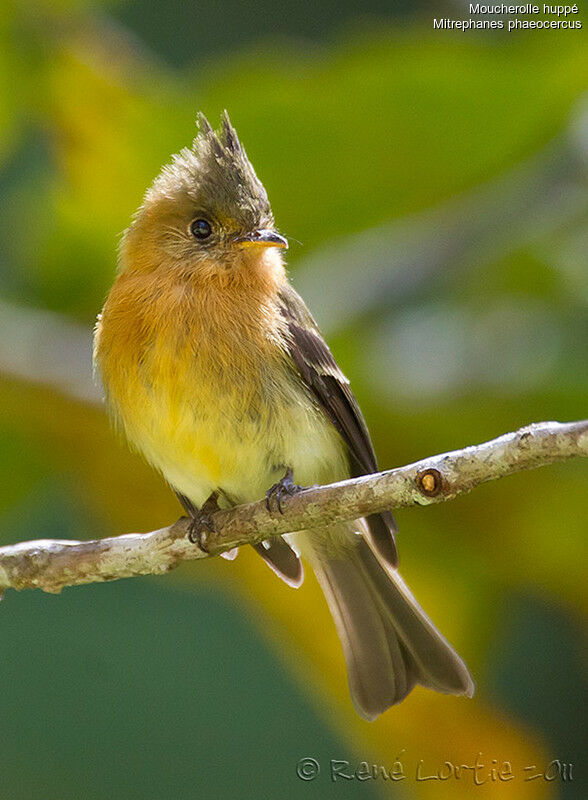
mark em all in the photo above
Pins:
pixel 331 388
pixel 278 554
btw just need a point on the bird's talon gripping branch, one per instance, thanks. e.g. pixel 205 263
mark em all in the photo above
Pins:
pixel 199 527
pixel 202 522
pixel 275 493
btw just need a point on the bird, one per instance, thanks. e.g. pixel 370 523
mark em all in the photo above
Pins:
pixel 216 372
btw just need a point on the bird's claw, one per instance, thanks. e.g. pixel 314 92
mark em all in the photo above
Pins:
pixel 201 522
pixel 275 493
pixel 200 525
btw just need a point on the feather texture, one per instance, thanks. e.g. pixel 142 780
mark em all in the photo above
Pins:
pixel 332 391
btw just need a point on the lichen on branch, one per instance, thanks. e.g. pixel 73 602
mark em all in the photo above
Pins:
pixel 53 564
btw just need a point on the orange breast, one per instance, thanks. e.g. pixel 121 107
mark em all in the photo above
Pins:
pixel 201 384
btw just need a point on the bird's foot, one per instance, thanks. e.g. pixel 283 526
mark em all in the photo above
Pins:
pixel 286 486
pixel 202 523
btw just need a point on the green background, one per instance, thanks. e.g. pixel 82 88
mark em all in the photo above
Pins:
pixel 434 184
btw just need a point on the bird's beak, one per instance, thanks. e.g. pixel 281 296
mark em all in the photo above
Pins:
pixel 262 238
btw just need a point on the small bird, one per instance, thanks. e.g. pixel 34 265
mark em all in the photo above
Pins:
pixel 217 373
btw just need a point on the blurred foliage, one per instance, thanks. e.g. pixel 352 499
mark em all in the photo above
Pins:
pixel 438 185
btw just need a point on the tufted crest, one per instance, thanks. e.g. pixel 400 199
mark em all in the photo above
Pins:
pixel 217 176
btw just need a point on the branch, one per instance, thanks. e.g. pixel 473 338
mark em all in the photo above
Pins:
pixel 52 564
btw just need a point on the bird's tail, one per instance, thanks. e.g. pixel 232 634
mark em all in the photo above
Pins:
pixel 389 642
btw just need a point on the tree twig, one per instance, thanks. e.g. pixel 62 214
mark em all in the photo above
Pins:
pixel 53 564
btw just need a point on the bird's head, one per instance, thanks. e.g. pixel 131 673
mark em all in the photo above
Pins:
pixel 206 213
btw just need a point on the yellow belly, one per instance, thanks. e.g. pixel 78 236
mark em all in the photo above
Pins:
pixel 234 424
pixel 199 452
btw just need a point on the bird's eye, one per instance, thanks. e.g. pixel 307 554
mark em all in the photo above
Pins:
pixel 200 228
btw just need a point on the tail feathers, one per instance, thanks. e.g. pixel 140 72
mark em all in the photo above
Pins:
pixel 389 642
